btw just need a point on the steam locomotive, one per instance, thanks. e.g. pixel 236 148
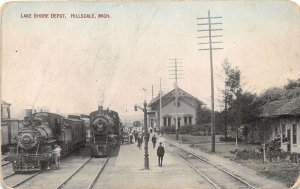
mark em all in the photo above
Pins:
pixel 39 134
pixel 106 131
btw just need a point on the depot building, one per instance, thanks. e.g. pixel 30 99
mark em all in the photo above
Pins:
pixel 186 109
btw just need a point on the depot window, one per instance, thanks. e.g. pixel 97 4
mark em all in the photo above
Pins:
pixel 294 133
pixel 167 121
pixel 187 120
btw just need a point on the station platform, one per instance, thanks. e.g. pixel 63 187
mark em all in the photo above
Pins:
pixel 127 171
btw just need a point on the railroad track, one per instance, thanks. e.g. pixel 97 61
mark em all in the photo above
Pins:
pixel 217 176
pixel 5 164
pixel 14 180
pixel 86 175
pixel 7 176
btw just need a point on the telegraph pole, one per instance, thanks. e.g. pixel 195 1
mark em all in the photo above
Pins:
pixel 175 73
pixel 152 92
pixel 146 155
pixel 208 22
pixel 146 159
pixel 160 105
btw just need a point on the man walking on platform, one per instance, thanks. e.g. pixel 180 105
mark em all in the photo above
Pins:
pixel 154 141
pixel 160 154
pixel 135 134
pixel 130 138
pixel 140 141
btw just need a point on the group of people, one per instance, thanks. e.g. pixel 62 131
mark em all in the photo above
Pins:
pixel 138 138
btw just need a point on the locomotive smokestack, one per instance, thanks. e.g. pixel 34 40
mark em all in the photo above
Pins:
pixel 100 109
pixel 29 113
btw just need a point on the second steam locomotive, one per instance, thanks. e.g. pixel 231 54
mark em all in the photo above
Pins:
pixel 106 131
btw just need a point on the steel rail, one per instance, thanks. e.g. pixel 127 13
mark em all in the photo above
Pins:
pixel 214 165
pixel 99 173
pixel 5 164
pixel 74 173
pixel 199 172
pixel 35 174
pixel 8 176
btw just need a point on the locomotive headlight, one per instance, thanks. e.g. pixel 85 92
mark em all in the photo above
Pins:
pixel 27 139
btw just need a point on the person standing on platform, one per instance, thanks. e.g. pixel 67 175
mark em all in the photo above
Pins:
pixel 160 154
pixel 140 141
pixel 56 154
pixel 154 141
pixel 130 138
pixel 135 134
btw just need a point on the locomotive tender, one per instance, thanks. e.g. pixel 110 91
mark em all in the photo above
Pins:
pixel 106 131
pixel 39 133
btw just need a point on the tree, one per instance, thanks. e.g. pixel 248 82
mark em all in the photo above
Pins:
pixel 231 92
pixel 250 107
pixel 291 84
pixel 203 115
pixel 290 90
pixel 272 94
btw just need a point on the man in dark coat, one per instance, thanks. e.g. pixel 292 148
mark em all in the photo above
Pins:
pixel 160 154
pixel 154 141
pixel 140 141
pixel 135 134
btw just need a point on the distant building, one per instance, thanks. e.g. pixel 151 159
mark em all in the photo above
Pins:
pixel 187 109
pixel 282 119
pixel 9 127
pixel 5 110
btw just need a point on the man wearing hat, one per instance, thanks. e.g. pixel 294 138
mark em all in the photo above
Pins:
pixel 56 154
pixel 160 154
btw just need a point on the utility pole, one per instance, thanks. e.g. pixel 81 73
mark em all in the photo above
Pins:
pixel 146 159
pixel 146 155
pixel 175 74
pixel 160 105
pixel 152 92
pixel 208 22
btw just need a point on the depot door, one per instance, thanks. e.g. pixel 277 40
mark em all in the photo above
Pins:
pixel 288 139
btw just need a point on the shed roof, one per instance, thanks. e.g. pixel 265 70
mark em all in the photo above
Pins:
pixel 282 107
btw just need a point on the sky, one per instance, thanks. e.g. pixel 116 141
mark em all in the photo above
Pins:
pixel 73 65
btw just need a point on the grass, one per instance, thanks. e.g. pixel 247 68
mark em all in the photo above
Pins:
pixel 284 171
